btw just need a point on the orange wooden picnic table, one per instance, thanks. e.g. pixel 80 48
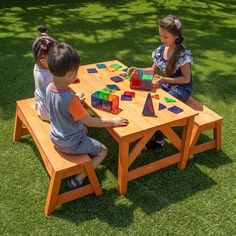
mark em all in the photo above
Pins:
pixel 141 128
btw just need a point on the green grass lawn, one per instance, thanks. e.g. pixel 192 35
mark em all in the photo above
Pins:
pixel 197 201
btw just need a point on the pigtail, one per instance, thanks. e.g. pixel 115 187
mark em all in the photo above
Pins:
pixel 172 61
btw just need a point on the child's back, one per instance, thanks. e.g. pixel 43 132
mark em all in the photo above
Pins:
pixel 68 117
pixel 42 75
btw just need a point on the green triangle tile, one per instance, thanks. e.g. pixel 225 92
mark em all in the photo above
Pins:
pixel 169 99
pixel 117 66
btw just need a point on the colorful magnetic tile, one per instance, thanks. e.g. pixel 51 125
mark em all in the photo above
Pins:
pixel 147 77
pixel 161 107
pixel 106 105
pixel 125 97
pixel 116 78
pixel 175 109
pixel 126 69
pixel 117 66
pixel 128 93
pixel 148 72
pixel 101 65
pixel 124 75
pixel 117 111
pixel 148 109
pixel 92 70
pixel 110 69
pixel 115 101
pixel 96 101
pixel 146 84
pixel 156 96
pixel 169 99
pixel 113 87
pixel 103 93
pixel 135 83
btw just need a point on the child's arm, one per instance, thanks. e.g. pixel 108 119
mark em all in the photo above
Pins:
pixel 101 122
pixel 132 68
pixel 81 96
pixel 184 79
pixel 78 113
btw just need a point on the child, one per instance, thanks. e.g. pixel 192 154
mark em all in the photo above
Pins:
pixel 68 116
pixel 174 61
pixel 42 76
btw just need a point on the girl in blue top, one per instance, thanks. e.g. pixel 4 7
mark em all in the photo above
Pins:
pixel 173 61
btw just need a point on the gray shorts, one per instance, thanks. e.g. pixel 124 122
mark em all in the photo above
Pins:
pixel 88 146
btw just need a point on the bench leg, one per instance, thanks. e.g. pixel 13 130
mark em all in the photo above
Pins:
pixel 93 179
pixel 53 192
pixel 217 134
pixel 194 137
pixel 186 139
pixel 17 127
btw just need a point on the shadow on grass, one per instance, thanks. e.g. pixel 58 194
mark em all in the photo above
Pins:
pixel 117 31
pixel 150 193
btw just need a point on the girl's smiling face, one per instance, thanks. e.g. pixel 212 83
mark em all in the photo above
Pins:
pixel 167 38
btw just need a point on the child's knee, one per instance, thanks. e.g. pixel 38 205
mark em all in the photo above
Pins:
pixel 103 151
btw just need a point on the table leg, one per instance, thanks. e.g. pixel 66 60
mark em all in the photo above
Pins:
pixel 186 143
pixel 123 164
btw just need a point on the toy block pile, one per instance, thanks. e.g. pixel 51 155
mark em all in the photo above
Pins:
pixel 103 99
pixel 141 79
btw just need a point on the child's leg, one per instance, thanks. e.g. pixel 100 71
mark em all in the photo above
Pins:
pixel 181 94
pixel 96 160
pixel 158 141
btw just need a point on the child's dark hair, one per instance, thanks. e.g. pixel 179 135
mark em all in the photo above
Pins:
pixel 173 25
pixel 42 43
pixel 62 58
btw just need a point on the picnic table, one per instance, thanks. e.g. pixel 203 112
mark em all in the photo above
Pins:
pixel 141 128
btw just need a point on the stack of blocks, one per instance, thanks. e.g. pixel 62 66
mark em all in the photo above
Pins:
pixel 141 79
pixel 103 99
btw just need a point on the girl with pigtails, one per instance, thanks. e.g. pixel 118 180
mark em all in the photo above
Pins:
pixel 42 76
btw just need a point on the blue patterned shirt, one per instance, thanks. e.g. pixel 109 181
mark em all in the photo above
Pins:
pixel 184 57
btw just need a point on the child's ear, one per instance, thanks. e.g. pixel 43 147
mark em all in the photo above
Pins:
pixel 43 61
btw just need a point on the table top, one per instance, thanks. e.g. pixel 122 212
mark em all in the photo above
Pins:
pixel 132 110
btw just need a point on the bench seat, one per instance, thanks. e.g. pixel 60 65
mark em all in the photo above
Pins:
pixel 205 120
pixel 59 165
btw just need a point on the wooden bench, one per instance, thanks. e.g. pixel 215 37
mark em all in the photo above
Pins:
pixel 205 120
pixel 58 165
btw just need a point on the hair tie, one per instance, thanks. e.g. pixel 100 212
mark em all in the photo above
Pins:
pixel 43 34
pixel 177 24
pixel 47 42
pixel 43 47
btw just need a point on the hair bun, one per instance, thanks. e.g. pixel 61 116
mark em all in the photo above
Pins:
pixel 42 30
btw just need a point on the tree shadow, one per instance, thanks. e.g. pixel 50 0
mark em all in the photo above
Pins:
pixel 151 194
pixel 119 32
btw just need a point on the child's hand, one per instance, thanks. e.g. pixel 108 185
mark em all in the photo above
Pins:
pixel 131 69
pixel 81 96
pixel 120 121
pixel 157 81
